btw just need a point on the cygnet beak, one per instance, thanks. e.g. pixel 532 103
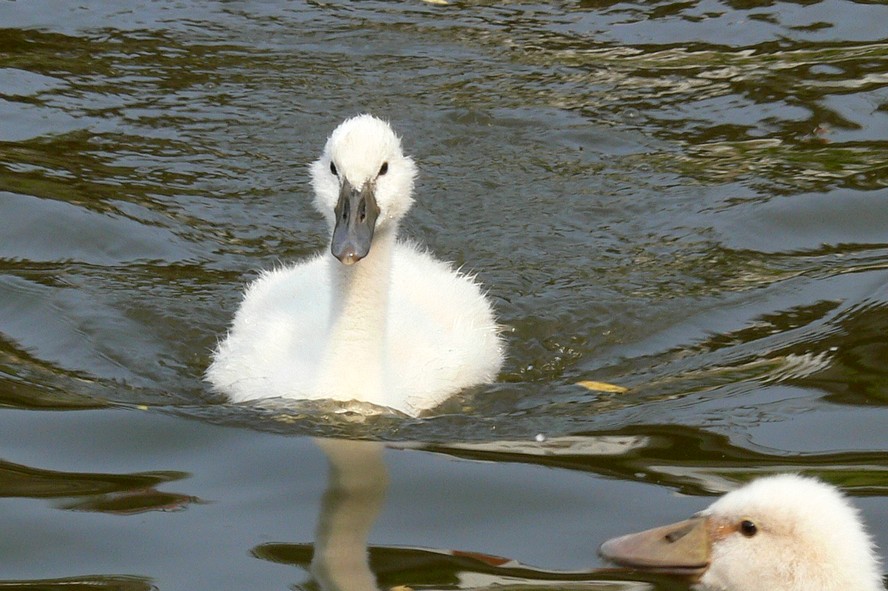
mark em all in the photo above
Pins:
pixel 680 549
pixel 356 213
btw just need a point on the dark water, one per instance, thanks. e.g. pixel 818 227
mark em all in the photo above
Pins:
pixel 689 199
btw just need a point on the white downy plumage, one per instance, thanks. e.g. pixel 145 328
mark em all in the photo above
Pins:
pixel 779 533
pixel 374 319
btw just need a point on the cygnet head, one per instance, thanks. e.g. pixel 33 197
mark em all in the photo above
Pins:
pixel 781 533
pixel 363 184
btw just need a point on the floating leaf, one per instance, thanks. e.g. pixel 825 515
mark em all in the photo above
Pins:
pixel 602 387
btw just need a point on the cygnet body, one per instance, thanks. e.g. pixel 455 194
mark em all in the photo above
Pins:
pixel 779 533
pixel 375 319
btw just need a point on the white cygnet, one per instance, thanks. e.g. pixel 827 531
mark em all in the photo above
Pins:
pixel 373 319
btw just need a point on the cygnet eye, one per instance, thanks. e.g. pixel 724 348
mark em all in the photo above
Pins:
pixel 384 168
pixel 748 528
pixel 333 169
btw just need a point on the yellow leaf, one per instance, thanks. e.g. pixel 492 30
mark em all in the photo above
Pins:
pixel 602 387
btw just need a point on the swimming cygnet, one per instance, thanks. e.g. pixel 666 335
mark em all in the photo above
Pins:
pixel 374 319
pixel 779 533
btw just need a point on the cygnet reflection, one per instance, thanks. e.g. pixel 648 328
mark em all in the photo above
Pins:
pixel 340 558
pixel 356 486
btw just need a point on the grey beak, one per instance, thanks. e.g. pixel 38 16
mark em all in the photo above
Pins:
pixel 681 548
pixel 356 213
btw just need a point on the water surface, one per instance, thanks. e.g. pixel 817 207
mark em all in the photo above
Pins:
pixel 687 199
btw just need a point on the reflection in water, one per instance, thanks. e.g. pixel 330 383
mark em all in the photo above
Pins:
pixel 697 187
pixel 355 493
pixel 119 494
pixel 857 373
pixel 341 559
pixel 92 582
pixel 693 461
pixel 104 493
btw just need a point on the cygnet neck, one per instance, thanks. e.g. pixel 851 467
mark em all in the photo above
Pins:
pixel 354 362
pixel 361 291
